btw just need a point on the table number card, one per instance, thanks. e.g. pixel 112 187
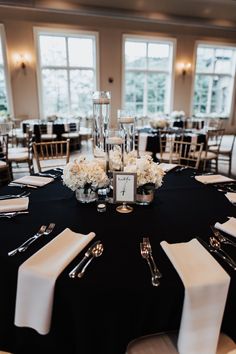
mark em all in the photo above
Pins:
pixel 124 190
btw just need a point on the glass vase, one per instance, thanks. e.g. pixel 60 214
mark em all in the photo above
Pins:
pixel 144 195
pixel 86 195
pixel 101 117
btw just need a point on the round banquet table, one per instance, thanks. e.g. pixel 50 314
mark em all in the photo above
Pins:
pixel 114 302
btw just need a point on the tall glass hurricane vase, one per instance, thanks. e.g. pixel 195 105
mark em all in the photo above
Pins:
pixel 126 121
pixel 101 117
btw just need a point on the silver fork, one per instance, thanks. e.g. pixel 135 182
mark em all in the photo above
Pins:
pixel 40 232
pixel 46 232
pixel 222 238
pixel 145 255
pixel 147 243
pixel 10 196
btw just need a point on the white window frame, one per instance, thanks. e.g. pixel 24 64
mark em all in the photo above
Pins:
pixel 6 70
pixel 223 46
pixel 154 39
pixel 67 33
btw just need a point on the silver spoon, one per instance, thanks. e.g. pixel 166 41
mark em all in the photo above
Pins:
pixel 96 252
pixel 217 245
pixel 145 254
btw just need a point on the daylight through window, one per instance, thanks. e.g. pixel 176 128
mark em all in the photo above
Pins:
pixel 4 103
pixel 67 73
pixel 148 66
pixel 214 80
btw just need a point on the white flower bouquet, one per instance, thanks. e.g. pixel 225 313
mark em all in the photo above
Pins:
pixel 177 114
pixel 85 174
pixel 158 123
pixel 115 158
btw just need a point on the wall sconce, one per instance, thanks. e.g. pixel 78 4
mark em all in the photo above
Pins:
pixel 21 60
pixel 184 68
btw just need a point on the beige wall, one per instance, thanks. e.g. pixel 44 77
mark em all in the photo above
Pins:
pixel 19 25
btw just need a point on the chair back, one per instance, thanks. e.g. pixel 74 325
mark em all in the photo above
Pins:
pixel 188 154
pixel 56 151
pixel 4 147
pixel 214 139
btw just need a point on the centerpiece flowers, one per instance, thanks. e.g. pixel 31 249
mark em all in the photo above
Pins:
pixel 177 114
pixel 149 177
pixel 85 177
pixel 159 123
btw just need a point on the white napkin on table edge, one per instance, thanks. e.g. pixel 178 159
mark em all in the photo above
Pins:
pixel 207 179
pixel 200 308
pixel 231 197
pixel 14 204
pixel 229 226
pixel 37 277
pixel 34 180
pixel 166 167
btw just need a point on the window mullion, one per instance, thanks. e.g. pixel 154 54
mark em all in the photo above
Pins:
pixel 68 75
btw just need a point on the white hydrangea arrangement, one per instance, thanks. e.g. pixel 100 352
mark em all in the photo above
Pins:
pixel 83 173
pixel 158 123
pixel 148 172
pixel 115 158
pixel 177 114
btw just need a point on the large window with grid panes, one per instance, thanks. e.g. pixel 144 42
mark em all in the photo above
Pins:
pixel 214 80
pixel 147 74
pixel 5 99
pixel 67 71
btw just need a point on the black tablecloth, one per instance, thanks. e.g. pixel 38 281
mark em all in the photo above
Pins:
pixel 114 302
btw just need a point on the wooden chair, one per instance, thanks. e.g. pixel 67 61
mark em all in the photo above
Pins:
pixel 225 153
pixel 140 143
pixel 51 154
pixel 5 176
pixel 210 153
pixel 72 133
pixel 187 154
pixel 22 155
pixel 46 132
pixel 168 153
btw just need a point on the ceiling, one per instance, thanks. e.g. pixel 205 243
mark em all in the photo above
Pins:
pixel 218 13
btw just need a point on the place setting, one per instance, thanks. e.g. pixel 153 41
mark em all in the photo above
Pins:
pixel 12 205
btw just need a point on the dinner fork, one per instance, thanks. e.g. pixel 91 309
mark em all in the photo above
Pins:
pixel 222 238
pixel 147 243
pixel 11 196
pixel 45 232
pixel 145 255
pixel 40 232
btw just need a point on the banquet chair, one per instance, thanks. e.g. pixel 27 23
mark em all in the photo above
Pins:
pixel 46 132
pixel 225 153
pixel 210 153
pixel 5 176
pixel 140 143
pixel 51 154
pixel 188 154
pixel 22 155
pixel 166 343
pixel 72 133
pixel 168 153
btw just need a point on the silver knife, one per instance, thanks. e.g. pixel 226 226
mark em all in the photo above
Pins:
pixel 18 184
pixel 213 250
pixel 80 265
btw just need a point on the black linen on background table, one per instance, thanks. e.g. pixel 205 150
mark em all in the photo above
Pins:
pixel 114 302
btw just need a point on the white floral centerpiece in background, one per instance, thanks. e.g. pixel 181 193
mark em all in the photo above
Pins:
pixel 158 123
pixel 149 177
pixel 85 177
pixel 177 115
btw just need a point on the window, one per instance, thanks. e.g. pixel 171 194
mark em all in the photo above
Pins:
pixel 67 72
pixel 214 80
pixel 148 66
pixel 5 108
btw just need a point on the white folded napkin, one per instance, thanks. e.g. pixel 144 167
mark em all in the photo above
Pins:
pixel 166 167
pixel 229 226
pixel 34 180
pixel 37 277
pixel 231 196
pixel 206 288
pixel 213 179
pixel 14 204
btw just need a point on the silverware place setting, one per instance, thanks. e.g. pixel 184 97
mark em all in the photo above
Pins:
pixel 43 231
pixel 94 251
pixel 12 214
pixel 145 253
pixel 221 237
pixel 12 196
pixel 21 185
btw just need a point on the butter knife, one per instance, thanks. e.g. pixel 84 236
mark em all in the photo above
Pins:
pixel 88 253
pixel 213 250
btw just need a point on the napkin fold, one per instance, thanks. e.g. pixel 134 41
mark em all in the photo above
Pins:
pixel 14 204
pixel 207 179
pixel 34 180
pixel 166 167
pixel 231 197
pixel 37 277
pixel 229 226
pixel 206 288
